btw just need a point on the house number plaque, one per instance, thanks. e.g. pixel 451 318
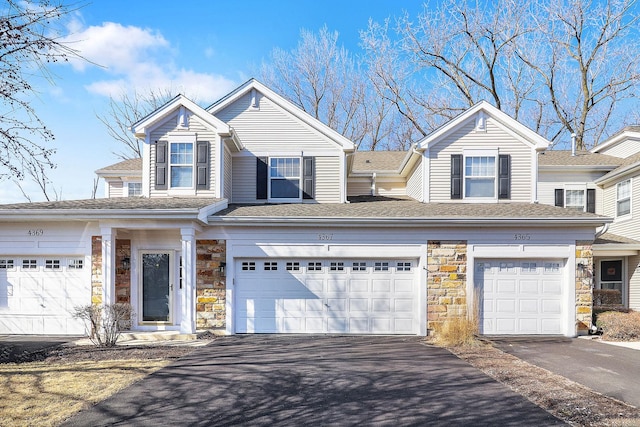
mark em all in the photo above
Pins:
pixel 325 236
pixel 35 232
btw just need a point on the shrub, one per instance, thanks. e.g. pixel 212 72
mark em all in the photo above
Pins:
pixel 105 323
pixel 617 326
pixel 607 297
pixel 456 332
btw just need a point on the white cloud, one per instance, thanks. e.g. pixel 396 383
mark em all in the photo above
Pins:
pixel 137 59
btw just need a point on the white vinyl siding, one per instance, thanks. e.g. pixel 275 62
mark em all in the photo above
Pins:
pixel 549 181
pixel 360 186
pixel 634 282
pixel 622 149
pixel 271 129
pixel 203 134
pixel 628 225
pixel 327 180
pixel 228 175
pixel 465 137
pixel 116 189
pixel 414 182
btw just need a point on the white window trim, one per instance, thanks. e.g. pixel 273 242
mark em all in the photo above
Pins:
pixel 624 282
pixel 480 153
pixel 269 178
pixel 574 187
pixel 627 215
pixel 177 138
pixel 125 188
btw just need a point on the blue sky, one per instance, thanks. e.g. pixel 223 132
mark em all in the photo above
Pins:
pixel 202 47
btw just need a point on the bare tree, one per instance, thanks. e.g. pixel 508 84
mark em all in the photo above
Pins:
pixel 326 81
pixel 36 172
pixel 29 41
pixel 126 110
pixel 588 58
pixel 559 67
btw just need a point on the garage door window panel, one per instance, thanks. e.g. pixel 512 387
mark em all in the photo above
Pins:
pixel 52 264
pixel 29 264
pixel 7 264
pixel 75 264
pixel 314 266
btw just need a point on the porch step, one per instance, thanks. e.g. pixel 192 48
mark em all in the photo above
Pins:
pixel 157 336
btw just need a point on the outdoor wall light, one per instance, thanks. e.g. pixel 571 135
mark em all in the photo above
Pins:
pixel 222 267
pixel 126 263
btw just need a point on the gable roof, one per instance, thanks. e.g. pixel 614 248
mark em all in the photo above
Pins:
pixel 378 161
pixel 127 167
pixel 629 132
pixel 252 84
pixel 629 165
pixel 564 158
pixel 141 127
pixel 511 125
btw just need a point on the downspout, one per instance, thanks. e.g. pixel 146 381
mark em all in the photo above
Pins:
pixel 603 230
pixel 373 184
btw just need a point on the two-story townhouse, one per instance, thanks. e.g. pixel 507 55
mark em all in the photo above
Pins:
pixel 602 181
pixel 250 216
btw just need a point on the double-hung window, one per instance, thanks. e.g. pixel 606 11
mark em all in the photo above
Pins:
pixel 575 200
pixel 134 189
pixel 480 176
pixel 181 164
pixel 285 178
pixel 623 198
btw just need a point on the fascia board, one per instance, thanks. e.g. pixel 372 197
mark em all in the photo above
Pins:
pixel 615 140
pixel 617 174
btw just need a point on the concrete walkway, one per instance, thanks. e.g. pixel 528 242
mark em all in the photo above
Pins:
pixel 316 380
pixel 612 370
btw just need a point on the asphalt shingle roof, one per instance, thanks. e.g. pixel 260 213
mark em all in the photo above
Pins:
pixel 582 158
pixel 381 207
pixel 132 165
pixel 610 238
pixel 117 203
pixel 371 161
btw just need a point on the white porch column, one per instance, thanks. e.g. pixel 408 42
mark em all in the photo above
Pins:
pixel 108 265
pixel 188 297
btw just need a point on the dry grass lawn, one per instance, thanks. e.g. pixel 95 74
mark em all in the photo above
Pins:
pixel 45 394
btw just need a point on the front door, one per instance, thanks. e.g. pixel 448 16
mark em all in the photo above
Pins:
pixel 156 287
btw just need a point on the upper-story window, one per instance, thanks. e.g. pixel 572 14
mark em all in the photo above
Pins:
pixel 481 174
pixel 576 197
pixel 623 198
pixel 181 164
pixel 284 178
pixel 134 189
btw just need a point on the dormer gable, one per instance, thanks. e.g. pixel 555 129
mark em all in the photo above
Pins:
pixel 256 92
pixel 623 144
pixel 481 156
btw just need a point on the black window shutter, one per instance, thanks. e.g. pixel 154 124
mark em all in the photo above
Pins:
pixel 161 165
pixel 504 176
pixel 560 197
pixel 202 165
pixel 591 200
pixel 262 176
pixel 456 176
pixel 308 177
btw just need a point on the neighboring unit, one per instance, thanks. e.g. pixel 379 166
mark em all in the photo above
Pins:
pixel 251 216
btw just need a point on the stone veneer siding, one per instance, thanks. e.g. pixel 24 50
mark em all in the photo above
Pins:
pixel 584 286
pixel 210 284
pixel 446 282
pixel 96 270
pixel 123 277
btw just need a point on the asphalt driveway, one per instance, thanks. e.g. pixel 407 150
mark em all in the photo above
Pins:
pixel 611 370
pixel 320 380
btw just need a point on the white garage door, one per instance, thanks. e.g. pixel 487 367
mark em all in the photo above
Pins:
pixel 520 296
pixel 38 294
pixel 326 296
